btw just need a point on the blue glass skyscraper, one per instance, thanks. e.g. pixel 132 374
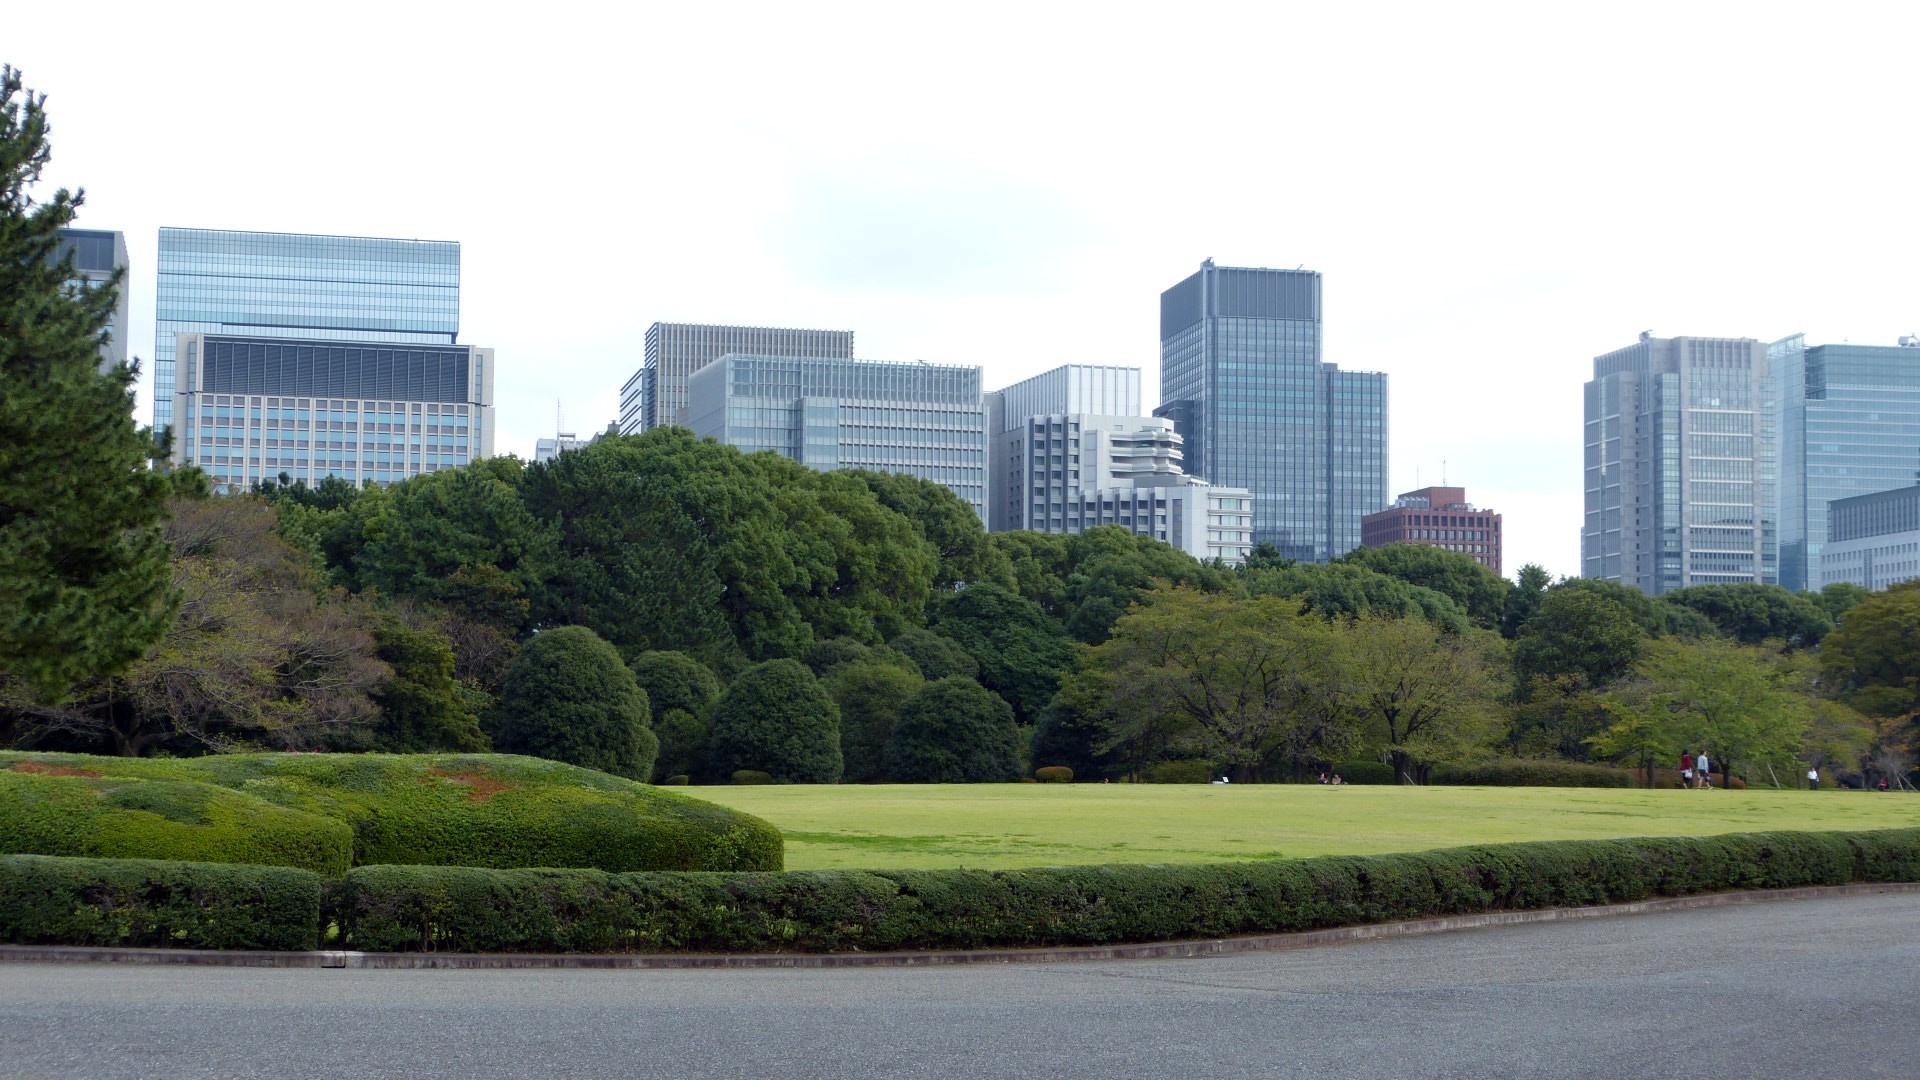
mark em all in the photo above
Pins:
pixel 1849 424
pixel 287 285
pixel 1242 380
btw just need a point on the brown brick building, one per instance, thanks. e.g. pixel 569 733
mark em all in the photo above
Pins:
pixel 1441 517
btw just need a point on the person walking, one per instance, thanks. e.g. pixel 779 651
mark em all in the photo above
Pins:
pixel 1705 768
pixel 1813 778
pixel 1686 768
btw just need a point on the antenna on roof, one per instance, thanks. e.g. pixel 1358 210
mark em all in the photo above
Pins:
pixel 1443 472
pixel 559 419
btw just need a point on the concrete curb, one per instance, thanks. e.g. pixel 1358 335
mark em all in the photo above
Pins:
pixel 66 954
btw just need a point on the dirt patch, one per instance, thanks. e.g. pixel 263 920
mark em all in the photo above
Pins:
pixel 483 787
pixel 41 768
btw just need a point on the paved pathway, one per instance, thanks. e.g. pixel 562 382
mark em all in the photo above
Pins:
pixel 1808 988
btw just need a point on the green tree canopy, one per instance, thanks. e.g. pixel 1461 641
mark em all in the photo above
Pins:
pixel 1478 591
pixel 956 533
pixel 776 719
pixel 934 655
pixel 1424 696
pixel 1873 659
pixel 682 691
pixel 954 731
pixel 823 656
pixel 422 707
pixel 870 695
pixel 1336 590
pixel 1655 619
pixel 1579 632
pixel 569 698
pixel 1112 568
pixel 1022 653
pixel 1041 564
pixel 1523 603
pixel 1839 598
pixel 1751 613
pixel 85 586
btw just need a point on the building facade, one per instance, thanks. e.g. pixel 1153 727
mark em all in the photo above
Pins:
pixel 548 449
pixel 1241 377
pixel 1437 517
pixel 1872 540
pixel 1068 450
pixel 1679 465
pixel 1849 424
pixel 657 393
pixel 97 256
pixel 253 409
pixel 924 420
pixel 290 285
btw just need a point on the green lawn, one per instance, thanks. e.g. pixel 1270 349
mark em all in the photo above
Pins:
pixel 1005 825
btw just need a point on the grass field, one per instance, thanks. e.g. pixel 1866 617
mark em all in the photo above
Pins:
pixel 1007 825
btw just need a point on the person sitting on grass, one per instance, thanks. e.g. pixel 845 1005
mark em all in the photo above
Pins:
pixel 1337 781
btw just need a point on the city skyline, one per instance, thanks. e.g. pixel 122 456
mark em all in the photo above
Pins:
pixel 1026 224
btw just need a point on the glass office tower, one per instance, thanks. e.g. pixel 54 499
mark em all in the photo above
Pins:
pixel 1849 423
pixel 1242 380
pixel 657 393
pixel 924 420
pixel 1679 465
pixel 97 255
pixel 254 409
pixel 288 285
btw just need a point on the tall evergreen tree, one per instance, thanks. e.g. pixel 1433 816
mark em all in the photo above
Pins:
pixel 85 585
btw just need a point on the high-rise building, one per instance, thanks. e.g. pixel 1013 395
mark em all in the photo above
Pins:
pixel 657 393
pixel 1849 424
pixel 1242 379
pixel 97 256
pixel 1068 450
pixel 1872 540
pixel 562 442
pixel 252 409
pixel 1679 465
pixel 921 419
pixel 289 285
pixel 1437 517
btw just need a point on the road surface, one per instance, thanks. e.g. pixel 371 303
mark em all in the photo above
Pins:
pixel 1807 988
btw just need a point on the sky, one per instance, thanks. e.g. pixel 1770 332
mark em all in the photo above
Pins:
pixel 1494 194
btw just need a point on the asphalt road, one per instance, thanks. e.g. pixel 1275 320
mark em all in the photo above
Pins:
pixel 1808 988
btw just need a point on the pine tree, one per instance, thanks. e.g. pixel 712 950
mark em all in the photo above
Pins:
pixel 85 585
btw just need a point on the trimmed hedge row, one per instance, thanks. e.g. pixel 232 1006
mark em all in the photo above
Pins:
pixel 461 909
pixel 48 813
pixel 47 900
pixel 1502 772
pixel 492 810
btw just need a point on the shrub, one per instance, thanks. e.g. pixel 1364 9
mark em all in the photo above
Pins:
pixel 954 731
pixel 54 810
pixel 1053 774
pixel 751 776
pixel 1363 772
pixel 826 655
pixel 569 697
pixel 776 719
pixel 46 900
pixel 680 780
pixel 1516 773
pixel 473 809
pixel 674 680
pixel 683 743
pixel 1178 772
pixel 459 909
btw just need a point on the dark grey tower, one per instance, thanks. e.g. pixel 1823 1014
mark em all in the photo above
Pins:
pixel 1242 380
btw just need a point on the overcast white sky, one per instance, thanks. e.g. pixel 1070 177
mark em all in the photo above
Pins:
pixel 1494 194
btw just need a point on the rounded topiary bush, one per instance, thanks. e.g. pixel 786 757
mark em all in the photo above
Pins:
pixel 677 780
pixel 1178 772
pixel 681 691
pixel 490 810
pixel 776 719
pixel 58 810
pixel 1053 774
pixel 937 656
pixel 750 777
pixel 870 694
pixel 569 697
pixel 954 731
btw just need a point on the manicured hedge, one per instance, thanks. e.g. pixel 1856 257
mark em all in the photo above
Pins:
pixel 46 900
pixel 1513 772
pixel 51 813
pixel 491 810
pixel 394 908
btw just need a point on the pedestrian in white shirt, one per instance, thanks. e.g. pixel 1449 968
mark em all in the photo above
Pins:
pixel 1813 778
pixel 1705 769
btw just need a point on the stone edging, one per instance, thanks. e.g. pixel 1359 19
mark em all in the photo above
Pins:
pixel 64 954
